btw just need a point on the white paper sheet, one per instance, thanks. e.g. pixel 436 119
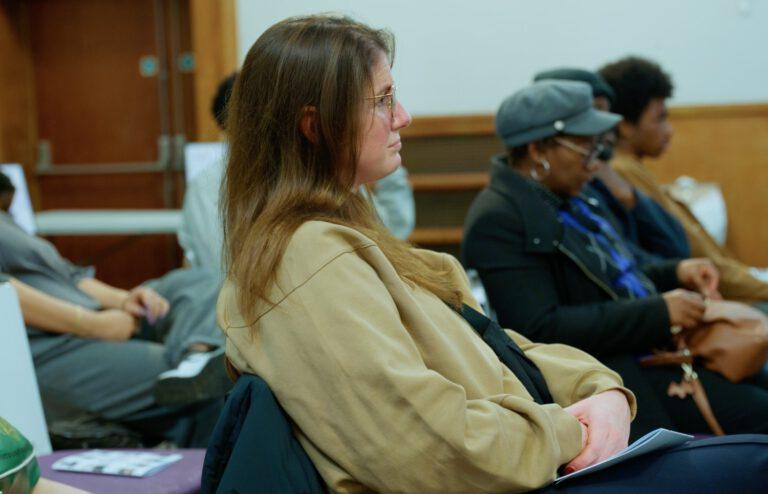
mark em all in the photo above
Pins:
pixel 653 441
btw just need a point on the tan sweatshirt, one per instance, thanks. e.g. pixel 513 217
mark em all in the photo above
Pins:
pixel 391 390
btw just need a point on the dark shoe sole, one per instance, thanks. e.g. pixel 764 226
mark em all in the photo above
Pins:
pixel 211 382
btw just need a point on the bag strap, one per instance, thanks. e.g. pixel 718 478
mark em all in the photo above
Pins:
pixel 684 359
pixel 509 353
pixel 666 358
pixel 702 402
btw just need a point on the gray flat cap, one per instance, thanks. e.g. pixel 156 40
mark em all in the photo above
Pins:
pixel 599 86
pixel 550 107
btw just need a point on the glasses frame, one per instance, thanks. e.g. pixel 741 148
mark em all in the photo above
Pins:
pixel 390 100
pixel 588 155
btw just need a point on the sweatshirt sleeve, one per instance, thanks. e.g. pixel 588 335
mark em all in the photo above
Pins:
pixel 353 380
pixel 572 375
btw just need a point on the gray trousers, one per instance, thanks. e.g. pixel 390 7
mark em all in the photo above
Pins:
pixel 115 381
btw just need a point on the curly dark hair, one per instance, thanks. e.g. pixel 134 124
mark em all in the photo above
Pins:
pixel 636 81
pixel 221 100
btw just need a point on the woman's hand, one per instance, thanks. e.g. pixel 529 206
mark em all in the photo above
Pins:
pixel 111 325
pixel 145 302
pixel 701 275
pixel 605 417
pixel 686 308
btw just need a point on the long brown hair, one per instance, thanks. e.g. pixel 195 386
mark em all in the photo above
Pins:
pixel 276 178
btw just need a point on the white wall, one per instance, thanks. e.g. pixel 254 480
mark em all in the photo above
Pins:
pixel 457 57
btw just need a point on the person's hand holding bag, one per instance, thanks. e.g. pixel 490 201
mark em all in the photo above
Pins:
pixel 686 308
pixel 701 275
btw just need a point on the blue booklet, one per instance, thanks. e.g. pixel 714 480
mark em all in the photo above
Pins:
pixel 653 441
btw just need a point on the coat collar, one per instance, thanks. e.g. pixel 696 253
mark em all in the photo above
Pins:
pixel 537 206
pixel 544 232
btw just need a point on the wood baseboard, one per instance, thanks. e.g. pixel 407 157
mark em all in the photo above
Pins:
pixel 441 182
pixel 431 237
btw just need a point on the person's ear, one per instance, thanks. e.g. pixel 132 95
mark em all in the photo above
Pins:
pixel 535 151
pixel 308 124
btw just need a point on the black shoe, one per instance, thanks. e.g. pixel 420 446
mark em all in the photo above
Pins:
pixel 200 376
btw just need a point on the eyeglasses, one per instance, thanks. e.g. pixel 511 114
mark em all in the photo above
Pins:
pixel 589 155
pixel 385 102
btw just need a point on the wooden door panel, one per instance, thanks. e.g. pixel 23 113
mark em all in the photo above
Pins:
pixel 95 107
pixel 123 191
pixel 93 104
pixel 71 77
pixel 122 261
pixel 17 104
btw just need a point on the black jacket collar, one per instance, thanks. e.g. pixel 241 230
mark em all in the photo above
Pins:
pixel 543 230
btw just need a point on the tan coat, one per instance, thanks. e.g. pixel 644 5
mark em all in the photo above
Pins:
pixel 736 281
pixel 393 391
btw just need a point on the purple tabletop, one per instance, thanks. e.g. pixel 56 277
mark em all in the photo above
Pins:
pixel 182 477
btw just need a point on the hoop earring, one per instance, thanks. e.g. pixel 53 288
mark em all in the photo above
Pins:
pixel 534 173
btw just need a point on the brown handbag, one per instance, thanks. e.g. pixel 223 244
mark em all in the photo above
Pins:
pixel 732 340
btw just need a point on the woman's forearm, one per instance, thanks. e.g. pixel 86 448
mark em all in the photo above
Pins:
pixel 49 313
pixel 108 296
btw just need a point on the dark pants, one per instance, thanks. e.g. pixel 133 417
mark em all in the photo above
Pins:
pixel 737 464
pixel 740 408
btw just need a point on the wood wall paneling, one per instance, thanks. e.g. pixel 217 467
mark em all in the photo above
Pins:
pixel 443 208
pixel 449 153
pixel 17 101
pixel 726 144
pixel 214 42
pixel 464 125
pixel 122 261
pixel 123 191
pixel 448 181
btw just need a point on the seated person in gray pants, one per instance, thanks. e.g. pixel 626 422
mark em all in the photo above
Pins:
pixel 99 350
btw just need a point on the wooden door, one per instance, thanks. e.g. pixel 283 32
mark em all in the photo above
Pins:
pixel 102 107
pixel 98 97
